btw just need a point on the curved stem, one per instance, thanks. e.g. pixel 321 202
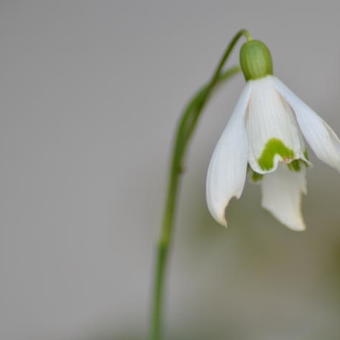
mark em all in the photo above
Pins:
pixel 185 129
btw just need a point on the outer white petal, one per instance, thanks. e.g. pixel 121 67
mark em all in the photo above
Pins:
pixel 281 195
pixel 269 117
pixel 228 165
pixel 319 135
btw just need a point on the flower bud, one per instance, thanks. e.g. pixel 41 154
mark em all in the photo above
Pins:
pixel 255 60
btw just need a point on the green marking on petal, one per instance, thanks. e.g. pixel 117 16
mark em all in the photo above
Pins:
pixel 253 175
pixel 305 153
pixel 274 147
pixel 295 165
pixel 256 177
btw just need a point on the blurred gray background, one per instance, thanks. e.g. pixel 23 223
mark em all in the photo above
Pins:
pixel 90 92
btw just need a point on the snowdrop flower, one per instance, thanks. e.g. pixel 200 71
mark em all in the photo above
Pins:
pixel 265 137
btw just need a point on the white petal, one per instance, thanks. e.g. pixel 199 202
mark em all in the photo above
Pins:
pixel 228 165
pixel 319 135
pixel 281 195
pixel 270 119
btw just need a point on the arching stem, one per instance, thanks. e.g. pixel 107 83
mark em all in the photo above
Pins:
pixel 184 132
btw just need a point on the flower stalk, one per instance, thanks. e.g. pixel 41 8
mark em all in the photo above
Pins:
pixel 184 132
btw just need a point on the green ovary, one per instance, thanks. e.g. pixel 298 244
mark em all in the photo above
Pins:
pixel 274 147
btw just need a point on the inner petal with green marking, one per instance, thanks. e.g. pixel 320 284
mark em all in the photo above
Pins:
pixel 255 176
pixel 274 147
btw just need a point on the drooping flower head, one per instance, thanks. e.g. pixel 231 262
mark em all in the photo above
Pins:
pixel 265 137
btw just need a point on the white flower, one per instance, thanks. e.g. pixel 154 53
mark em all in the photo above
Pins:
pixel 266 132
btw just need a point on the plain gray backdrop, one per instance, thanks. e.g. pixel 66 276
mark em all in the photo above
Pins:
pixel 90 92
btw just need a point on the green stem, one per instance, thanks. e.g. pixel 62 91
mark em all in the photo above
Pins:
pixel 184 132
